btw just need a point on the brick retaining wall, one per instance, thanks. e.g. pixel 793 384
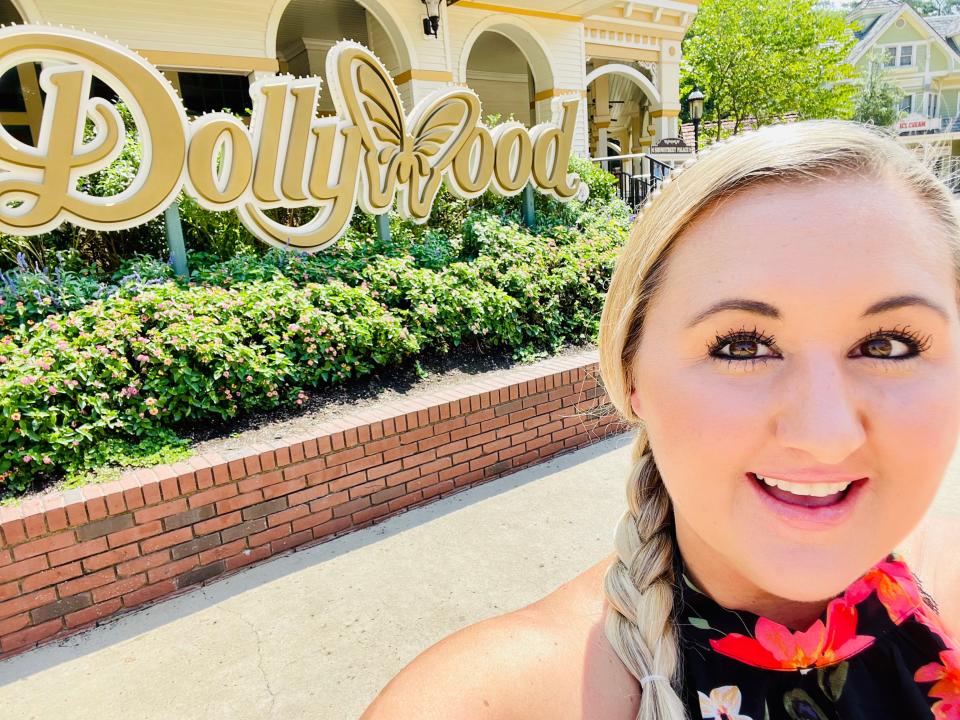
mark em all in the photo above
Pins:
pixel 73 559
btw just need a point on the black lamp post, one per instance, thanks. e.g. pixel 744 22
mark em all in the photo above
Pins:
pixel 431 23
pixel 695 101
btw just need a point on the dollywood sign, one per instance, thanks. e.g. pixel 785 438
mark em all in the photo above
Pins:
pixel 371 153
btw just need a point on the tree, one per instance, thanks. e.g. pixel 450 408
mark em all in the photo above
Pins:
pixel 877 97
pixel 763 59
pixel 935 7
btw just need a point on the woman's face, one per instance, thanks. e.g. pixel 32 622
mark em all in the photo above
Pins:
pixel 824 395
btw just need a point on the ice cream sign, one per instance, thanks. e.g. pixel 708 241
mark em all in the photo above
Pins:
pixel 371 153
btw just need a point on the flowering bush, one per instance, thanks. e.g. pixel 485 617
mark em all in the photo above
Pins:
pixel 91 367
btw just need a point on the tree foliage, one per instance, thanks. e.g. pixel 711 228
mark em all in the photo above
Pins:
pixel 935 7
pixel 877 96
pixel 762 59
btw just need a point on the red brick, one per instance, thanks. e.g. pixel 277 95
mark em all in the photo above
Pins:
pixel 87 582
pixel 367 488
pixel 218 523
pixel 348 481
pixel 113 557
pixel 438 489
pixel 296 453
pixel 287 515
pixel 26 602
pixel 348 508
pixel 312 520
pixel 465 479
pixel 251 465
pixel 80 550
pixel 306 496
pixel 511 452
pixel 30 636
pixel 295 540
pixel 303 469
pixel 419 459
pixel 160 511
pixel 364 463
pixel 258 482
pixel 159 542
pixel 148 593
pixel 367 514
pixel 388 494
pixel 465 432
pixel 481 439
pixel 496 445
pixel 239 501
pixel 172 569
pixel 399 452
pixel 118 588
pixel 405 501
pixel 284 488
pixel 274 533
pixel 455 471
pixel 115 504
pixel 57 517
pixel 378 446
pixel 51 577
pixel 537 442
pixel 9 590
pixel 466 455
pixel 247 557
pixel 383 470
pixel 267 460
pixel 214 494
pixel 151 493
pixel 13 624
pixel 329 501
pixel 44 545
pixel 414 435
pixel 435 466
pixel 344 456
pixel 423 482
pixel 134 534
pixel 142 564
pixel 90 615
pixel 332 527
pixel 224 551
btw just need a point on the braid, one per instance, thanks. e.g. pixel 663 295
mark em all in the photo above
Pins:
pixel 639 586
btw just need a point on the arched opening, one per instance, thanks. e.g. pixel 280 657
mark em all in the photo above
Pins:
pixel 620 99
pixel 308 29
pixel 501 76
pixel 21 100
pixel 508 65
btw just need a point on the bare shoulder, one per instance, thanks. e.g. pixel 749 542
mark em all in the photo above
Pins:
pixel 547 660
pixel 931 551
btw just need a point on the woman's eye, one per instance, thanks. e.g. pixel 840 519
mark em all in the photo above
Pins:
pixel 886 348
pixel 744 349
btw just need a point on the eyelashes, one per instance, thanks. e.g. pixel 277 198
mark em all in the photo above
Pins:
pixel 916 342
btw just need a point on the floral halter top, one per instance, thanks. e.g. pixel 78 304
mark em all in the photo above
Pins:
pixel 879 652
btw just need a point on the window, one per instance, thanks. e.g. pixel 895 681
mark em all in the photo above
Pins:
pixel 209 92
pixel 898 56
pixel 906 104
pixel 931 104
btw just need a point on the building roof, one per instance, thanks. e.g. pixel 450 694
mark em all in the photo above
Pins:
pixel 943 26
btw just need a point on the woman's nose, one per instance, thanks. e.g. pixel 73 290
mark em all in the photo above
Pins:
pixel 820 412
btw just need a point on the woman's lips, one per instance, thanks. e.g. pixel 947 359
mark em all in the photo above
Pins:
pixel 809 518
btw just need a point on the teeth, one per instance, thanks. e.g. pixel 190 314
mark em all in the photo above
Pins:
pixel 814 489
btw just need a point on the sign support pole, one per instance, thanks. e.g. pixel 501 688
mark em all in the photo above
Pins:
pixel 383 228
pixel 174 232
pixel 529 207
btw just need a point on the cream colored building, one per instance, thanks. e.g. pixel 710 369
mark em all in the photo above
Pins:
pixel 622 57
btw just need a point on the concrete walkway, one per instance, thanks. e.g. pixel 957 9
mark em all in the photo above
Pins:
pixel 318 632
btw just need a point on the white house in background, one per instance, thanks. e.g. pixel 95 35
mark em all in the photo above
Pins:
pixel 622 57
pixel 922 56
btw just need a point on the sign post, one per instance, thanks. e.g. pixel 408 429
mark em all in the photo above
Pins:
pixel 174 232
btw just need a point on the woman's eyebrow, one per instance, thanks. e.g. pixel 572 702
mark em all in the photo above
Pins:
pixel 766 309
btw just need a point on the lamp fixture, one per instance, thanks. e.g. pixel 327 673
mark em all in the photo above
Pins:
pixel 695 98
pixel 431 23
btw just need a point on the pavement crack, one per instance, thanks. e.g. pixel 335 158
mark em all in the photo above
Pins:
pixel 256 632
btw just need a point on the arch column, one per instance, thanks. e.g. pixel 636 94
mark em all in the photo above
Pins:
pixel 665 115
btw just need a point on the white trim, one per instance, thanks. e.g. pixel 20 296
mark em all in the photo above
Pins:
pixel 496 76
pixel 934 36
pixel 635 75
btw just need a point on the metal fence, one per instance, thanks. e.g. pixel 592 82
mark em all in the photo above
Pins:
pixel 637 176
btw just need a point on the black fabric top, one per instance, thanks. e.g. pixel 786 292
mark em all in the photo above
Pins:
pixel 878 652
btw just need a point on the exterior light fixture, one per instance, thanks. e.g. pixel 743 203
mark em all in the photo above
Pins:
pixel 431 23
pixel 695 102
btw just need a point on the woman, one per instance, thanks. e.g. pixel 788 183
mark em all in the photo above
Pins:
pixel 783 326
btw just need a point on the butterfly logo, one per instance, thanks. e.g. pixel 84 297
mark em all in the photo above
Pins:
pixel 396 161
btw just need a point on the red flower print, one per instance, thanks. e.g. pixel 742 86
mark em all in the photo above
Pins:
pixel 776 647
pixel 896 589
pixel 946 676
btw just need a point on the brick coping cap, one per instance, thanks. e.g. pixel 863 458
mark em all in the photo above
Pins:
pixel 141 477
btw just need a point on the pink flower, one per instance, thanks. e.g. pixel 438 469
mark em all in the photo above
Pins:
pixel 27 458
pixel 27 380
pixel 47 460
pixel 143 358
pixel 15 416
pixel 63 345
pixel 52 389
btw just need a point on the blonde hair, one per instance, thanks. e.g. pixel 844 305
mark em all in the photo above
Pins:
pixel 639 584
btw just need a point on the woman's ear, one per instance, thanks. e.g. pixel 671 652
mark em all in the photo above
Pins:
pixel 635 403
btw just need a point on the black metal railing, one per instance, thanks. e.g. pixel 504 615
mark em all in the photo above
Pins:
pixel 635 188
